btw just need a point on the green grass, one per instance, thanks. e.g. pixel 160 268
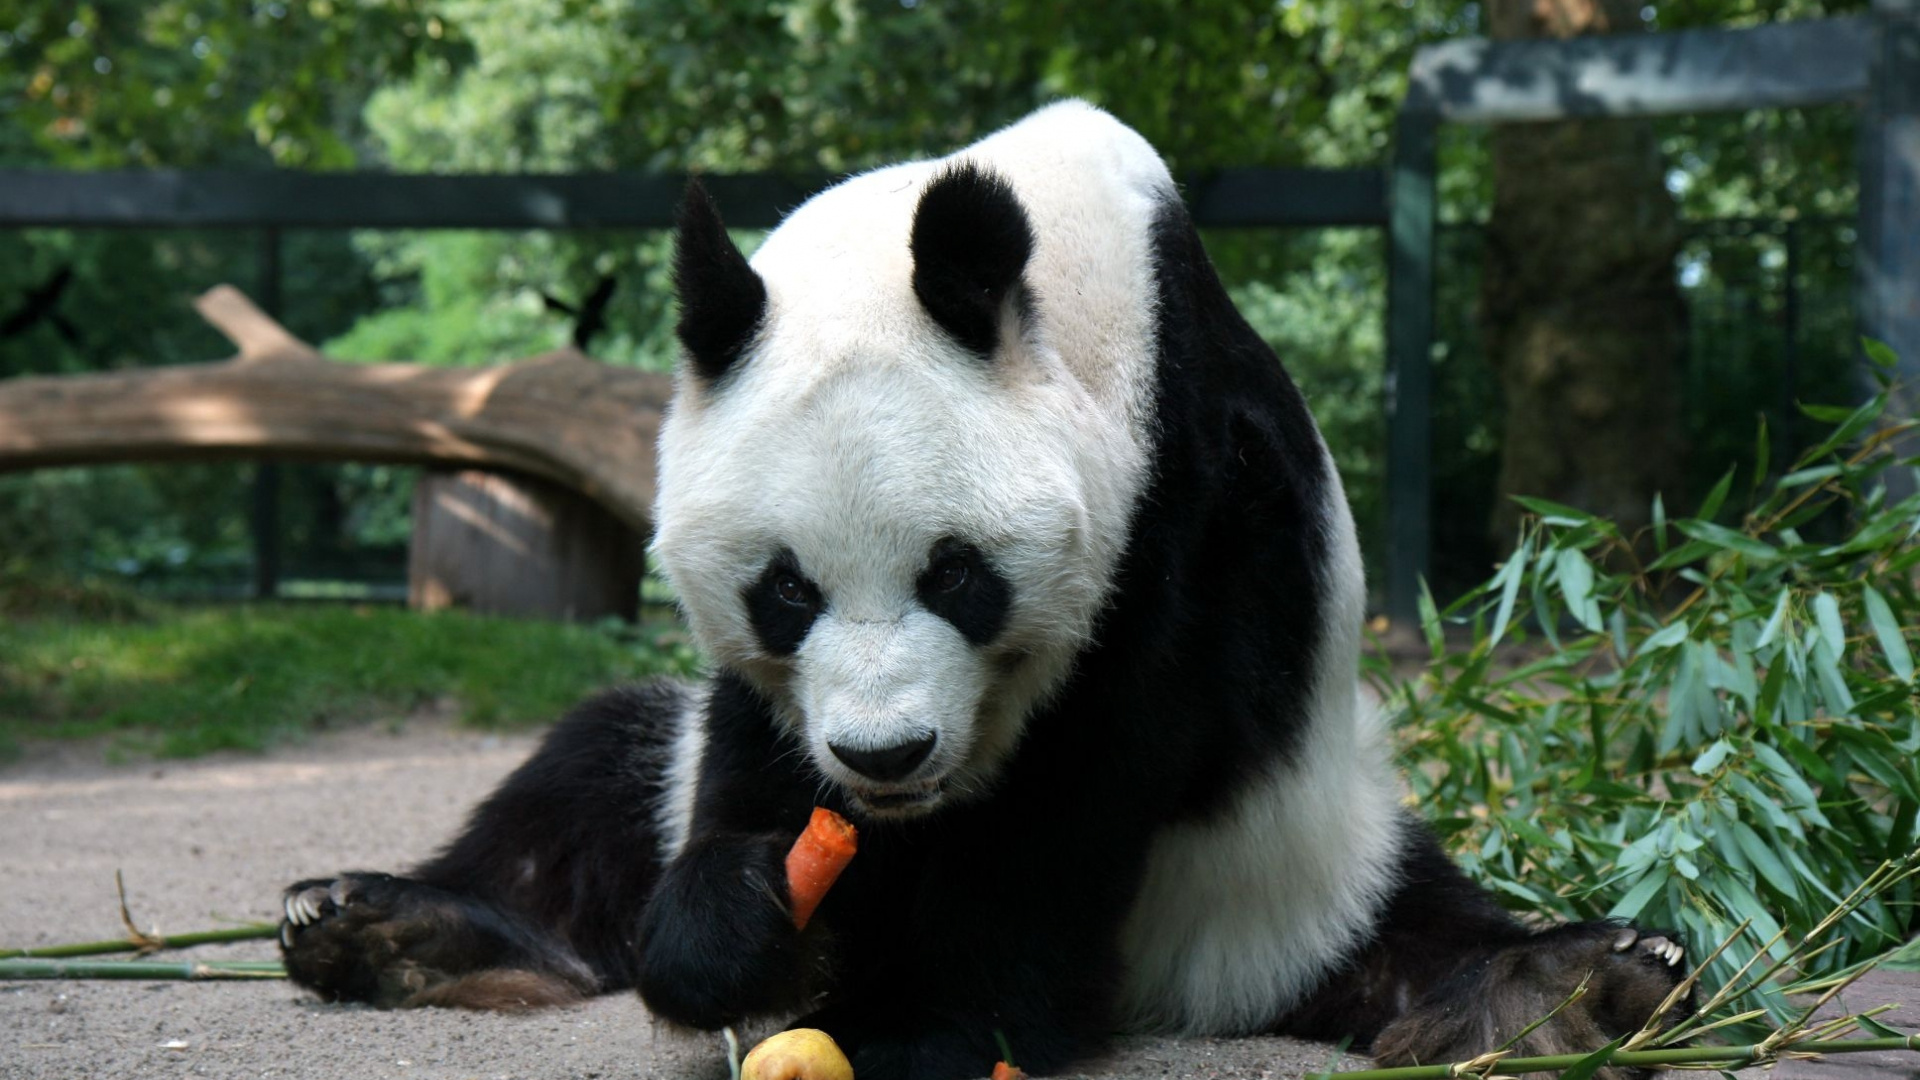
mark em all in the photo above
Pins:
pixel 184 681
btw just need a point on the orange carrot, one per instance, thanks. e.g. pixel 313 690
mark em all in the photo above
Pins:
pixel 1004 1071
pixel 817 858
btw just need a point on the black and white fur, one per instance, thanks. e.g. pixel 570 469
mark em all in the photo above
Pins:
pixel 1006 536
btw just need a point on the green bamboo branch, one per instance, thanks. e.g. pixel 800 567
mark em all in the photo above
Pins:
pixel 1733 1056
pixel 41 968
pixel 147 942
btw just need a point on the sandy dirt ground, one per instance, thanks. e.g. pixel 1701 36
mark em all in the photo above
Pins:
pixel 209 842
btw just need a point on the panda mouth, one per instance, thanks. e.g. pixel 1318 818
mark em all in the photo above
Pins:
pixel 900 802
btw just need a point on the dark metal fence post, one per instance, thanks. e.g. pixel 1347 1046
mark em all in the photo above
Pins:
pixel 1790 346
pixel 265 516
pixel 1889 270
pixel 1410 276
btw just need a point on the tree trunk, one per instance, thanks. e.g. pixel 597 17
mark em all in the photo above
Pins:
pixel 1580 312
pixel 513 545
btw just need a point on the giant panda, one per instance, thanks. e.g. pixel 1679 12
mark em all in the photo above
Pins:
pixel 1005 536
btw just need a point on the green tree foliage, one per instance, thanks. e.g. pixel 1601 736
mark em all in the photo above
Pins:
pixel 116 83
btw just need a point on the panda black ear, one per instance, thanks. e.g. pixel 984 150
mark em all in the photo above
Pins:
pixel 722 300
pixel 971 242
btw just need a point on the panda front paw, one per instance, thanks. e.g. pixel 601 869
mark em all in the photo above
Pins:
pixel 1659 947
pixel 718 942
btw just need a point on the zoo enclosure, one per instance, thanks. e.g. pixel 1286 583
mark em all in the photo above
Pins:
pixel 272 204
pixel 1872 61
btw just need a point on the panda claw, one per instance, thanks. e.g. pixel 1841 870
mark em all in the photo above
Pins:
pixel 1664 949
pixel 1625 938
pixel 286 935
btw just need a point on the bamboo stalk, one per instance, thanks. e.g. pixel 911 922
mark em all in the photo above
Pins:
pixel 40 968
pixel 1735 1056
pixel 249 932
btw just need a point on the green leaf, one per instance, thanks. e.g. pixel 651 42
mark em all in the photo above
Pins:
pixel 1775 622
pixel 1554 513
pixel 1855 422
pixel 1688 552
pixel 1509 581
pixel 1880 353
pixel 1770 693
pixel 1639 896
pixel 1826 414
pixel 1887 629
pixel 1592 1063
pixel 1763 858
pixel 1878 1028
pixel 1575 576
pixel 1728 539
pixel 1833 685
pixel 1790 779
pixel 1710 759
pixel 1711 504
pixel 1664 638
pixel 1826 614
pixel 1430 622
pixel 1809 476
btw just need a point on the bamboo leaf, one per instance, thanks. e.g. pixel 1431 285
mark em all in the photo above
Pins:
pixel 1430 622
pixel 1509 581
pixel 1763 858
pixel 1855 422
pixel 1727 539
pixel 1870 1024
pixel 1574 575
pixel 1592 1063
pixel 1774 623
pixel 1554 513
pixel 1711 504
pixel 1809 476
pixel 1664 638
pixel 1887 628
pixel 1826 614
pixel 1710 759
pixel 1688 552
pixel 1639 896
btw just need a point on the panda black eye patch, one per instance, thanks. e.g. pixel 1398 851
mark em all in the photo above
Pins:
pixel 782 604
pixel 962 587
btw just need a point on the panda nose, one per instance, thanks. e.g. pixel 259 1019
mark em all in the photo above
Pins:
pixel 886 763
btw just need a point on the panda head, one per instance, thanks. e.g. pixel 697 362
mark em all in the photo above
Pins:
pixel 883 499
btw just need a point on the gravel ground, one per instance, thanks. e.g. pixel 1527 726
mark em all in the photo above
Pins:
pixel 207 842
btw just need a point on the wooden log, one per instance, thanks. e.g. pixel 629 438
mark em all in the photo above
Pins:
pixel 515 545
pixel 563 417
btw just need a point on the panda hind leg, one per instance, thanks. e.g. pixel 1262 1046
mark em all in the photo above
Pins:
pixel 1629 972
pixel 398 943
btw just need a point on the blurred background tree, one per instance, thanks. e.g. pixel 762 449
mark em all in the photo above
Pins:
pixel 808 86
